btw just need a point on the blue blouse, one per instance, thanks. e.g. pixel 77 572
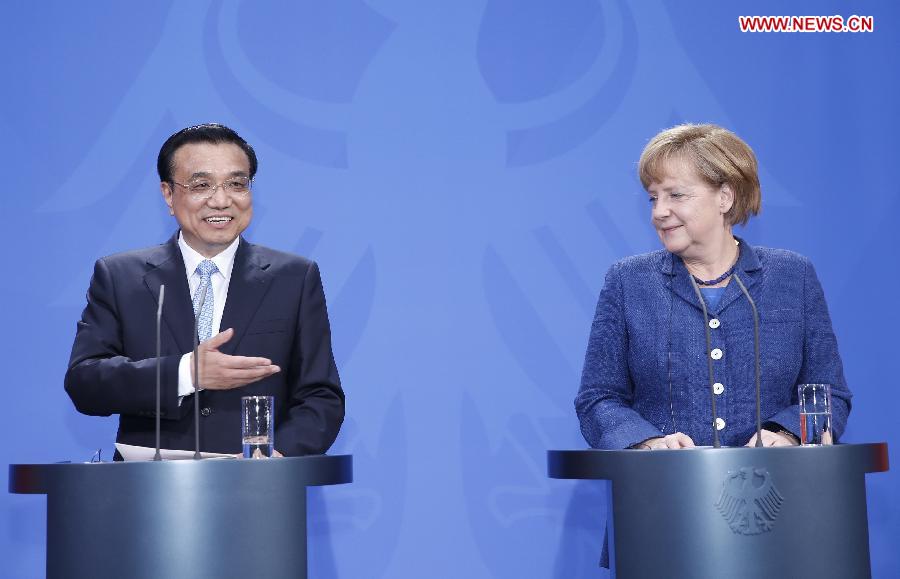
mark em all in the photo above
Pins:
pixel 712 295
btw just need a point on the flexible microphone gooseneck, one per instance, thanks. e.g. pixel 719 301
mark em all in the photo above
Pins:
pixel 159 306
pixel 197 374
pixel 712 392
pixel 756 355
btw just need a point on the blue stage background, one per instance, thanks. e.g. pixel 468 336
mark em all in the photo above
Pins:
pixel 464 173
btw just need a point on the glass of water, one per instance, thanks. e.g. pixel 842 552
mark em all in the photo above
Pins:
pixel 815 414
pixel 257 426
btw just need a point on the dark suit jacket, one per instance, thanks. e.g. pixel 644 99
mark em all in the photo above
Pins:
pixel 276 306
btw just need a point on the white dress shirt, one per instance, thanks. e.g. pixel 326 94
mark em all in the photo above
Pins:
pixel 220 280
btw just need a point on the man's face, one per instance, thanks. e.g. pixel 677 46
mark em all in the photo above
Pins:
pixel 209 225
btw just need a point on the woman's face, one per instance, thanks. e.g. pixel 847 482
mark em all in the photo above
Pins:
pixel 688 213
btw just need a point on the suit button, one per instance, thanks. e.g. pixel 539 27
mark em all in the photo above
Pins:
pixel 714 323
pixel 718 388
pixel 716 354
pixel 720 424
pixel 205 411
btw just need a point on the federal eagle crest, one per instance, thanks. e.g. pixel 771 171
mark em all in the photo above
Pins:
pixel 749 501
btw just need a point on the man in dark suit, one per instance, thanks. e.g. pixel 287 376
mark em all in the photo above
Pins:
pixel 270 306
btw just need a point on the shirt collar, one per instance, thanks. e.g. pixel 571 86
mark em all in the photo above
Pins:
pixel 224 260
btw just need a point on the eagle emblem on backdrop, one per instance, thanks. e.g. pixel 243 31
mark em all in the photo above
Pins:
pixel 749 502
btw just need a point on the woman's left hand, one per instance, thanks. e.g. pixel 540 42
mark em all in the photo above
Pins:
pixel 770 438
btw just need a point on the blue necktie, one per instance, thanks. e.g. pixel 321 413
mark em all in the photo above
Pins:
pixel 205 270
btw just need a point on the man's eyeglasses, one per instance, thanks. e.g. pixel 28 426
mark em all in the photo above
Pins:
pixel 203 189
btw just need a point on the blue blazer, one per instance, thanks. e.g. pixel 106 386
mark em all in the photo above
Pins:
pixel 645 372
pixel 276 306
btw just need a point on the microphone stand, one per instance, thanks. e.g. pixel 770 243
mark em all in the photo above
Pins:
pixel 162 296
pixel 197 375
pixel 756 355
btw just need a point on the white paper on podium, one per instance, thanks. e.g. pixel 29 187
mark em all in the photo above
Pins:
pixel 130 452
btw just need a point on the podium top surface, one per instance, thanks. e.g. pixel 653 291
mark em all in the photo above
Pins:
pixel 301 471
pixel 614 464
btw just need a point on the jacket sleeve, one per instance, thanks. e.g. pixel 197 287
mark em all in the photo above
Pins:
pixel 605 398
pixel 101 379
pixel 821 359
pixel 316 407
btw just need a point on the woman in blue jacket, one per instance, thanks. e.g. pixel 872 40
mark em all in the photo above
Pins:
pixel 646 378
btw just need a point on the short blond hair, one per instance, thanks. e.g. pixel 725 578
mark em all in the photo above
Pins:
pixel 720 158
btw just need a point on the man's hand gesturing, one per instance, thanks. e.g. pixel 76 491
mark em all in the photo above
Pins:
pixel 220 371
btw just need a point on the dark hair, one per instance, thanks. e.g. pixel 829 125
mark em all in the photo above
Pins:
pixel 206 133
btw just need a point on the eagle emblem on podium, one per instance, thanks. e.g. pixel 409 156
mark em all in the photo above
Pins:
pixel 749 501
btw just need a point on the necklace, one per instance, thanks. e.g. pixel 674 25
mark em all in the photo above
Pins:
pixel 719 279
pixel 722 277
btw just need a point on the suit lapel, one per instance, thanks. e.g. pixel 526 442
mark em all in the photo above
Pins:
pixel 749 270
pixel 677 279
pixel 167 267
pixel 250 281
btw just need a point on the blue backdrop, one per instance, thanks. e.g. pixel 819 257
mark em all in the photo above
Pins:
pixel 464 173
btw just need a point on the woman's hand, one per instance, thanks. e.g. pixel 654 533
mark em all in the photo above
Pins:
pixel 770 438
pixel 677 440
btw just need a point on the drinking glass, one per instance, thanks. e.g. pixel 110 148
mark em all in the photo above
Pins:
pixel 815 414
pixel 257 426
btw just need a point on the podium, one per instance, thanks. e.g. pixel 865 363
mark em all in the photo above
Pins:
pixel 733 513
pixel 215 518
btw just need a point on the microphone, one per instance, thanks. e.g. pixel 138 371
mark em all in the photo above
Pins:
pixel 712 392
pixel 197 374
pixel 756 356
pixel 159 306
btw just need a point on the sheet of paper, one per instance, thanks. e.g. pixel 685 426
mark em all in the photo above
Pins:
pixel 136 453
